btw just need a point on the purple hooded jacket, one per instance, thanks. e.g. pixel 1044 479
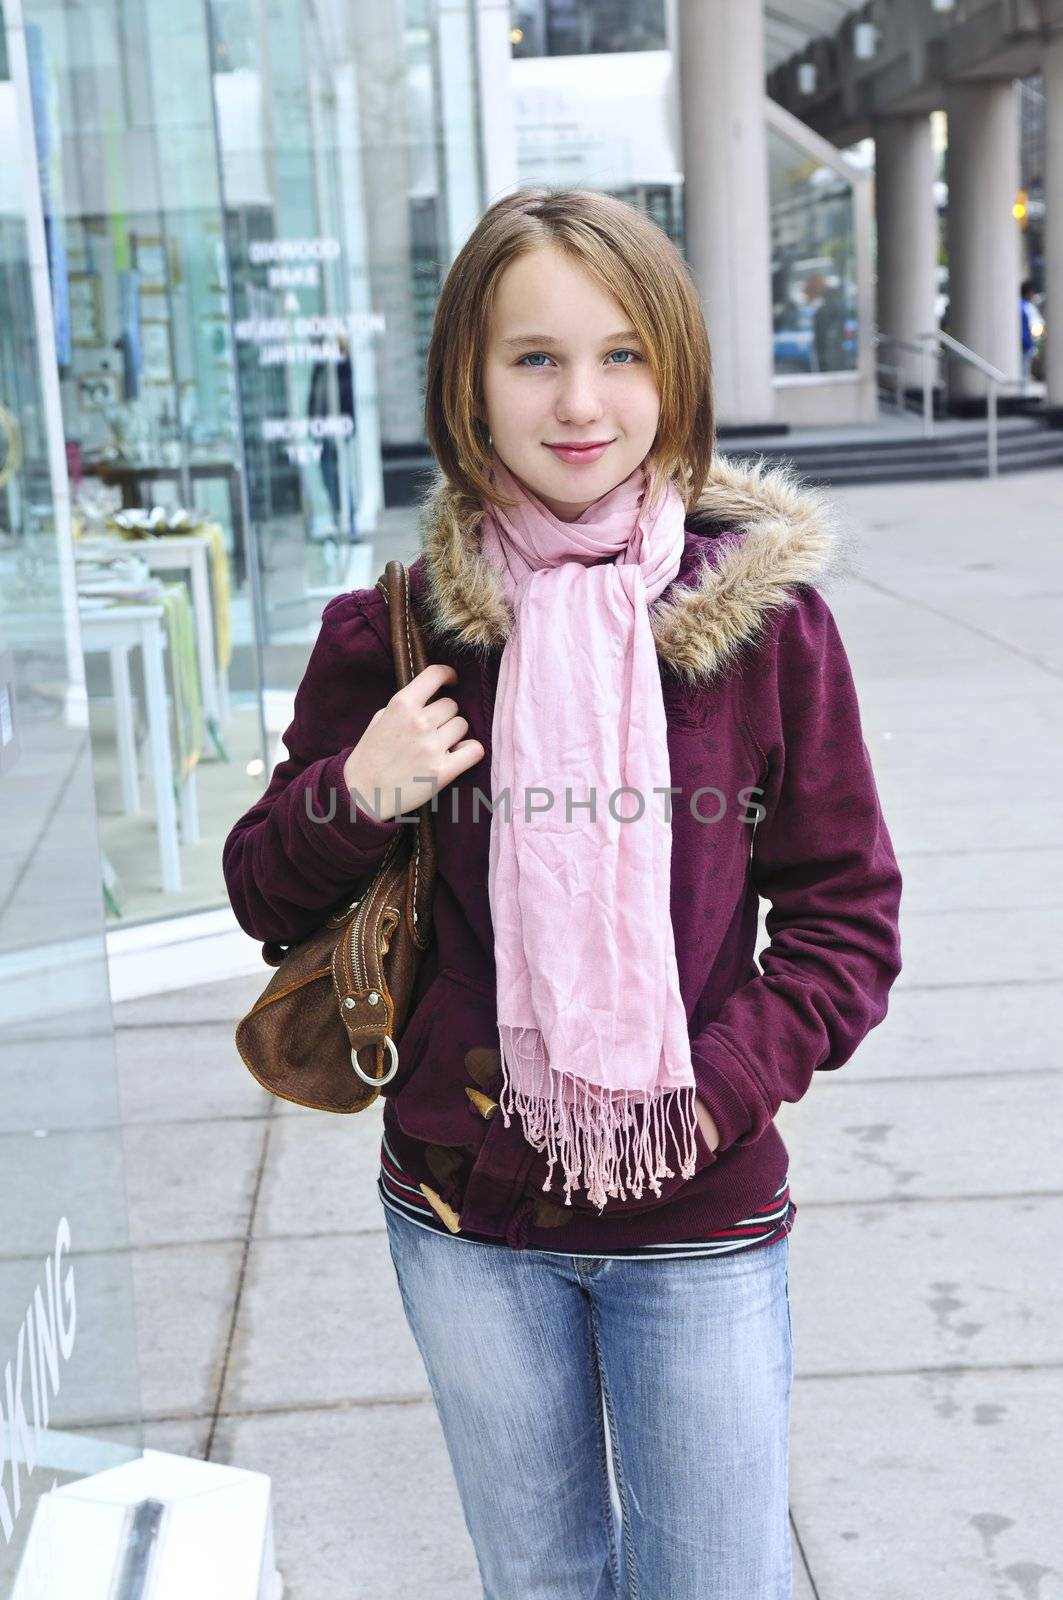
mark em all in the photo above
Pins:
pixel 774 797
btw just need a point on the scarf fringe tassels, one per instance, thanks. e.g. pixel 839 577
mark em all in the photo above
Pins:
pixel 594 1130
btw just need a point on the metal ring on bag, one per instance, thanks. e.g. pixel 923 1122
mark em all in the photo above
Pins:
pixel 388 1045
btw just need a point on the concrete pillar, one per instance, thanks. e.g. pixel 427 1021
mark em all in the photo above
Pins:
pixel 984 247
pixel 1053 234
pixel 720 56
pixel 907 227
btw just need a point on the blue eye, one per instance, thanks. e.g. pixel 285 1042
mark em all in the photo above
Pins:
pixel 532 354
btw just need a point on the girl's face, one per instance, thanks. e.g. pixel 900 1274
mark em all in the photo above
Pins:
pixel 563 366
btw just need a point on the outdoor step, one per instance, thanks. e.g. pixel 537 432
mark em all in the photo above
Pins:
pixel 1033 454
pixel 1023 444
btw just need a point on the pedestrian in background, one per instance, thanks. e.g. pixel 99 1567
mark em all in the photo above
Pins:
pixel 1030 319
pixel 334 397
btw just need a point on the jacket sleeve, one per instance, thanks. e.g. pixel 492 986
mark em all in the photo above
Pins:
pixel 303 845
pixel 822 856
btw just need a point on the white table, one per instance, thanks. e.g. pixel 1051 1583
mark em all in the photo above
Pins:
pixel 186 552
pixel 118 629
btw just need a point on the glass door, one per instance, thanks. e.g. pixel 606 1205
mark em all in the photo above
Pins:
pixel 69 1386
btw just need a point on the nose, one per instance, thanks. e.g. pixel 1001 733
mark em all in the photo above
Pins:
pixel 579 401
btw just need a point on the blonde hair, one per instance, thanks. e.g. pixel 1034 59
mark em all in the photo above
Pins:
pixel 628 256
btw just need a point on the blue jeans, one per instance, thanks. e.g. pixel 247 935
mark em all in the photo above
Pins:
pixel 577 1394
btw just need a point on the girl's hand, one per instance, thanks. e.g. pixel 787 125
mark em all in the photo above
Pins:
pixel 708 1128
pixel 412 738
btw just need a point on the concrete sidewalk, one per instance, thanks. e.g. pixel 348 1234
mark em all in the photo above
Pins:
pixel 927 1440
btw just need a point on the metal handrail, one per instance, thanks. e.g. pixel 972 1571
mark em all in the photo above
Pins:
pixel 889 366
pixel 941 337
pixel 920 351
pixel 933 342
pixel 995 380
pixel 898 374
pixel 902 344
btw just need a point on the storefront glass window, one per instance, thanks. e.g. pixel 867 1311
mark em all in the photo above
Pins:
pixel 252 206
pixel 350 177
pixel 124 123
pixel 814 290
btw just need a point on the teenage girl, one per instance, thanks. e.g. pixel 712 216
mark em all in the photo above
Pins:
pixel 584 1190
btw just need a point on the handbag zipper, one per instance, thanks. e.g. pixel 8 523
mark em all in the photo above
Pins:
pixel 354 967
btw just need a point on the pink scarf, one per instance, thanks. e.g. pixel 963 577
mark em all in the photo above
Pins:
pixel 592 1027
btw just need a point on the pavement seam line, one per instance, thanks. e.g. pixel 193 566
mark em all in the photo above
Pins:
pixel 799 1542
pixel 240 1279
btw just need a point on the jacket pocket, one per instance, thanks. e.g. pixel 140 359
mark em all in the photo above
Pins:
pixel 449 1072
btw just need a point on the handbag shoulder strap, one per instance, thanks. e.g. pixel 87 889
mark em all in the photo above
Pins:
pixel 407 645
pixel 408 652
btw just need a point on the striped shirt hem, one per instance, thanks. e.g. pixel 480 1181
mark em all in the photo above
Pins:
pixel 766 1225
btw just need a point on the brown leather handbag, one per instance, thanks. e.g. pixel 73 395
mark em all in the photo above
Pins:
pixel 322 1032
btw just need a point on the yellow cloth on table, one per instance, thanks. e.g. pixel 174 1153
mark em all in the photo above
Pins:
pixel 184 677
pixel 219 573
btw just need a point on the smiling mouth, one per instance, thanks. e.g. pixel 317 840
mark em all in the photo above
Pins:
pixel 580 455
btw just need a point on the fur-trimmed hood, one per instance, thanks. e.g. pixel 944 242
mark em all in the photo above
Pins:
pixel 754 534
